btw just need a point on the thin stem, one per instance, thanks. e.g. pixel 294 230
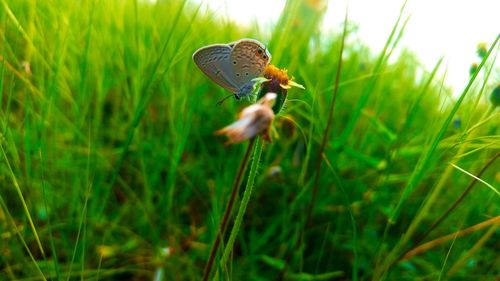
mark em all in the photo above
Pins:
pixel 431 244
pixel 451 208
pixel 244 203
pixel 227 212
pixel 465 257
pixel 326 133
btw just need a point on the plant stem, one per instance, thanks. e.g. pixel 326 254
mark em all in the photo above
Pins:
pixel 227 212
pixel 480 243
pixel 326 133
pixel 431 244
pixel 244 202
pixel 451 208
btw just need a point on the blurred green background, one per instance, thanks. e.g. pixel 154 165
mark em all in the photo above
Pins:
pixel 110 169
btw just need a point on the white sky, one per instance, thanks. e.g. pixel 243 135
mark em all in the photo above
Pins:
pixel 437 28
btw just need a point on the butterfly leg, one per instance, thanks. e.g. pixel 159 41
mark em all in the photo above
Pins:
pixel 222 100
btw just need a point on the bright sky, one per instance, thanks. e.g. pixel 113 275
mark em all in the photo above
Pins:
pixel 437 28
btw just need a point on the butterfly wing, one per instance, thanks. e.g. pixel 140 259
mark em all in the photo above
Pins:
pixel 248 59
pixel 214 61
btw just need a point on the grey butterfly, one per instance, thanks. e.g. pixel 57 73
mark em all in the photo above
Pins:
pixel 234 65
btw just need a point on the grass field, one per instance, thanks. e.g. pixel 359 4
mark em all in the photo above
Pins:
pixel 110 169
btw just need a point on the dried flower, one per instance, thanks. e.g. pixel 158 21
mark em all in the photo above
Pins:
pixel 277 82
pixel 253 120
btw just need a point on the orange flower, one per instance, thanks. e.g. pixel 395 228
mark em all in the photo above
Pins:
pixel 277 82
pixel 271 72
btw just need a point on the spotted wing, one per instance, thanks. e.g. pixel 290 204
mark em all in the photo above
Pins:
pixel 214 61
pixel 249 58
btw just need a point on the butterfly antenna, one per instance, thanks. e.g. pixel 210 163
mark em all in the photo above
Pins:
pixel 222 100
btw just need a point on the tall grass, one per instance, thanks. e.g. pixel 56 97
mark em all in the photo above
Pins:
pixel 110 169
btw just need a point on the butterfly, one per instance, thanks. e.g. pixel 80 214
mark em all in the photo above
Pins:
pixel 233 66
